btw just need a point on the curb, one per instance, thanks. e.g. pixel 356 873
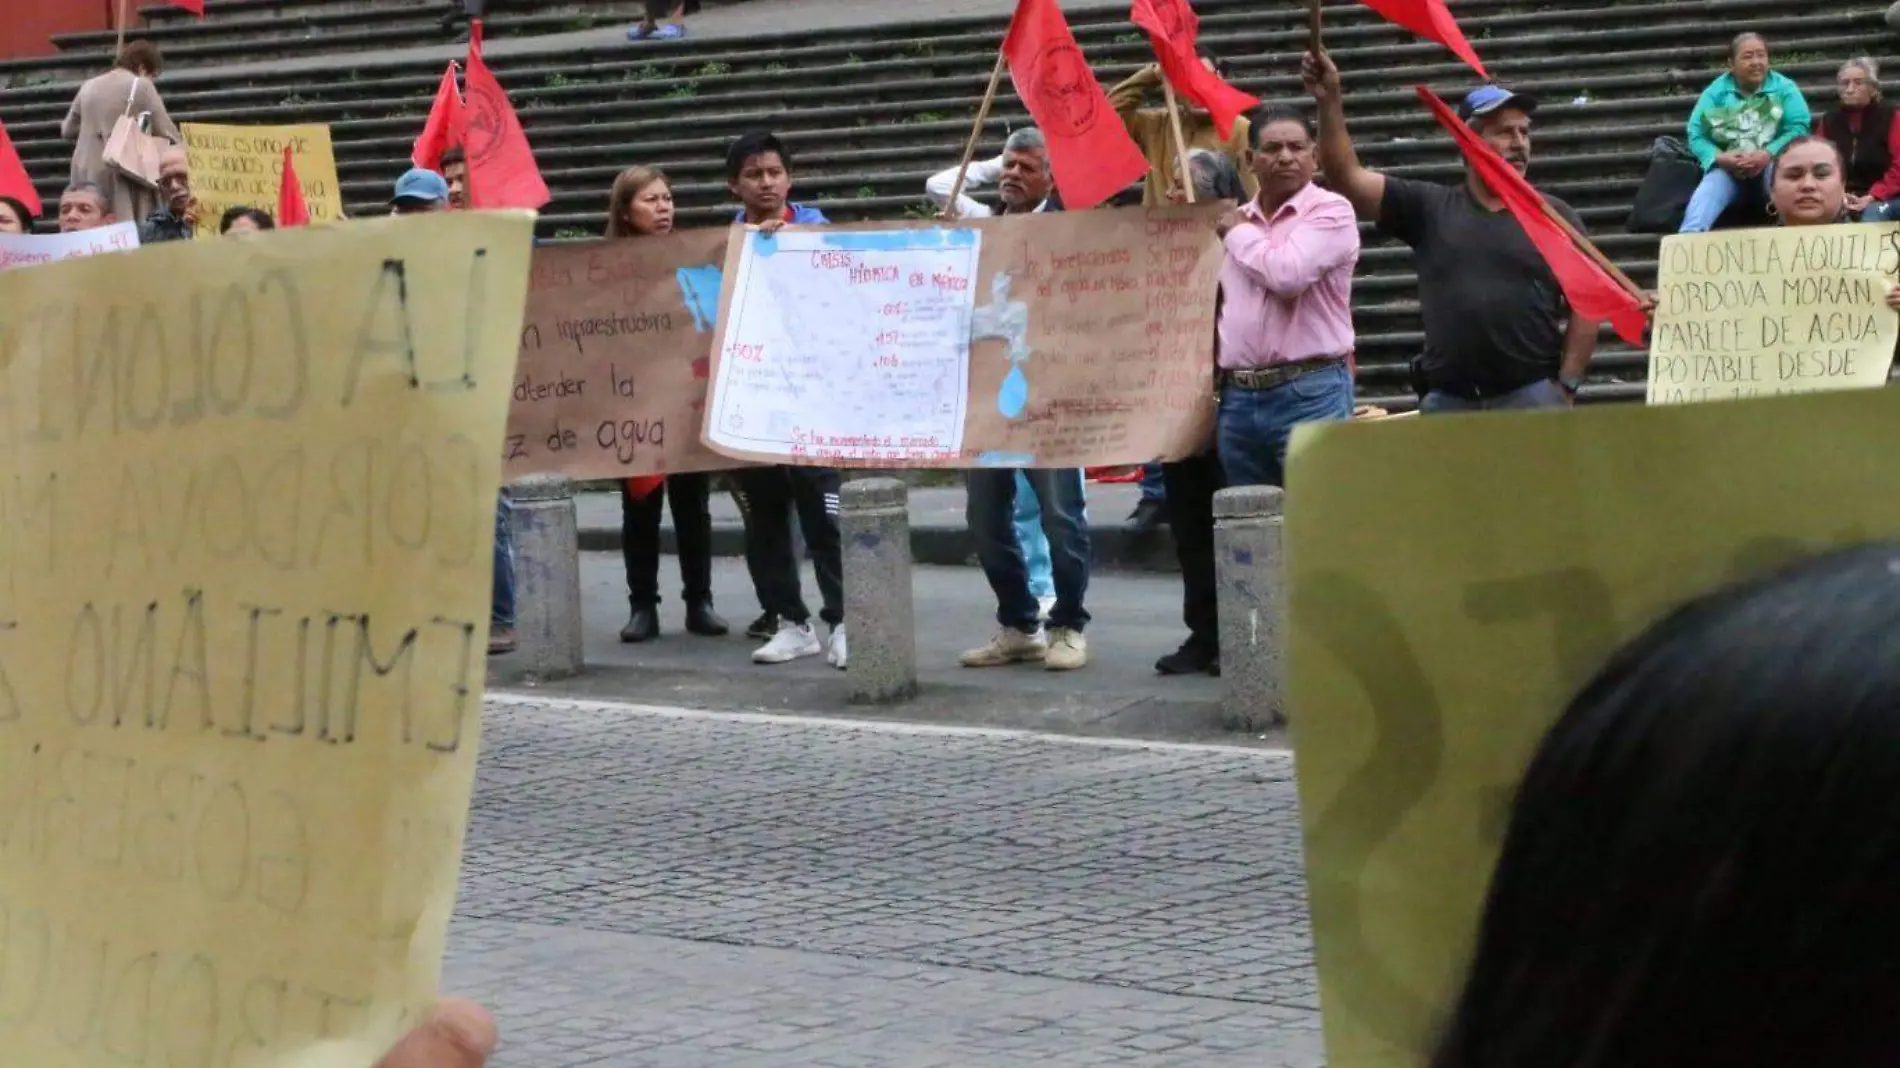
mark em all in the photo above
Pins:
pixel 942 546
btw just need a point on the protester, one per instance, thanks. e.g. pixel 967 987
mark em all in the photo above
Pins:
pixel 127 89
pixel 665 20
pixel 1864 130
pixel 1739 124
pixel 1192 482
pixel 83 206
pixel 454 1034
pixel 759 175
pixel 1699 863
pixel 418 191
pixel 1021 174
pixel 177 220
pixel 641 204
pixel 1810 188
pixel 241 221
pixel 454 171
pixel 1494 316
pixel 14 217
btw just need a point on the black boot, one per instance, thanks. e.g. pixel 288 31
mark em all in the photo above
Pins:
pixel 642 626
pixel 703 621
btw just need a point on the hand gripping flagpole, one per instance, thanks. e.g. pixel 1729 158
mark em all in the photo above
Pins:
pixel 976 134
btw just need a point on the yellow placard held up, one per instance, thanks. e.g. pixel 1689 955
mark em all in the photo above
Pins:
pixel 247 499
pixel 1454 581
pixel 243 167
pixel 1749 313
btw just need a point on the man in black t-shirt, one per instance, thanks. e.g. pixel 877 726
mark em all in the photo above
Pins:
pixel 1498 332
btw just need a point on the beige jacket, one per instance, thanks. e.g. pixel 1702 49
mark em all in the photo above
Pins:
pixel 1155 134
pixel 98 105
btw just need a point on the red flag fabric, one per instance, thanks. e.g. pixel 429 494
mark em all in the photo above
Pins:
pixel 447 125
pixel 14 181
pixel 501 168
pixel 1175 30
pixel 1431 20
pixel 640 487
pixel 1592 293
pixel 196 7
pixel 1089 149
pixel 291 209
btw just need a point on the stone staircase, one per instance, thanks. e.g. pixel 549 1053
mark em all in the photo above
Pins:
pixel 871 112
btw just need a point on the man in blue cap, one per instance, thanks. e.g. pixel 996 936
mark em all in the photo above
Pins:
pixel 419 190
pixel 1498 332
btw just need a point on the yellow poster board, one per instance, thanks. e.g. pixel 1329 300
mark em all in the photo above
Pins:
pixel 243 167
pixel 247 496
pixel 1750 313
pixel 1454 580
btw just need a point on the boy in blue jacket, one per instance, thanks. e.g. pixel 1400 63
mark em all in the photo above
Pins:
pixel 1742 120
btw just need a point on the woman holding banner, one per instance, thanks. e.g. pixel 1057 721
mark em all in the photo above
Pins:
pixel 641 205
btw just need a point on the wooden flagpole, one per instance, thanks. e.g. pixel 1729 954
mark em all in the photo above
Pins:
pixel 976 134
pixel 1180 142
pixel 1312 28
pixel 124 5
pixel 1589 248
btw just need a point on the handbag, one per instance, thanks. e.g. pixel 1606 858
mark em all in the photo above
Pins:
pixel 1663 198
pixel 131 150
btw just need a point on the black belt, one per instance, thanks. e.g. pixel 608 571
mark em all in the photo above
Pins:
pixel 1279 374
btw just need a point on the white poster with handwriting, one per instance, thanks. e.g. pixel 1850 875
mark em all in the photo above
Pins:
pixel 31 250
pixel 850 345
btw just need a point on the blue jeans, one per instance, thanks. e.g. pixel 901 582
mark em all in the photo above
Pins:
pixel 1152 487
pixel 501 612
pixel 1882 211
pixel 1718 190
pixel 1035 543
pixel 990 512
pixel 1254 425
pixel 1544 394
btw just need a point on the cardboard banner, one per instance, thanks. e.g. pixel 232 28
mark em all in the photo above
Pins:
pixel 242 167
pixel 1078 339
pixel 1746 313
pixel 611 378
pixel 1409 746
pixel 247 504
pixel 30 250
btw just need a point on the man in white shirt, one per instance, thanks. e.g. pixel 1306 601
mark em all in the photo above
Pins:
pixel 1021 175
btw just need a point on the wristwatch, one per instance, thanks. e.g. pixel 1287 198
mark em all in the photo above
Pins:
pixel 1571 385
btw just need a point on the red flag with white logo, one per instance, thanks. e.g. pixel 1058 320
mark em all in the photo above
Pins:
pixel 1089 149
pixel 501 168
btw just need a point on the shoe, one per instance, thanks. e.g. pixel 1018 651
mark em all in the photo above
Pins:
pixel 793 641
pixel 669 31
pixel 642 626
pixel 1192 658
pixel 1044 606
pixel 835 648
pixel 703 621
pixel 763 628
pixel 1068 650
pixel 1148 516
pixel 1009 646
pixel 502 640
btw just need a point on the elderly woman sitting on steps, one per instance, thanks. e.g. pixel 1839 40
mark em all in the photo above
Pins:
pixel 1869 140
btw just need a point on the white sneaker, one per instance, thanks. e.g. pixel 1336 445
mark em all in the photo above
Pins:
pixel 793 641
pixel 1068 650
pixel 1009 646
pixel 835 648
pixel 1044 606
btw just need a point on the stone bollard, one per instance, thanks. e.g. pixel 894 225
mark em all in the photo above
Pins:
pixel 874 517
pixel 1252 582
pixel 547 577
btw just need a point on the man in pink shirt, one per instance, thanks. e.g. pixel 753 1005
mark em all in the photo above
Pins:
pixel 1286 304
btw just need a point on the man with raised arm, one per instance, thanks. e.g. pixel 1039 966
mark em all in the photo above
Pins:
pixel 1498 331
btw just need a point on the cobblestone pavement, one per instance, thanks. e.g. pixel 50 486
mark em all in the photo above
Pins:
pixel 658 887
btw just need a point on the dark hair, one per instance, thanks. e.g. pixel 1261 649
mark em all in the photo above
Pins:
pixel 90 189
pixel 141 57
pixel 451 157
pixel 19 208
pixel 1267 114
pixel 1812 139
pixel 1740 39
pixel 1215 176
pixel 257 215
pixel 1701 861
pixel 1220 65
pixel 749 145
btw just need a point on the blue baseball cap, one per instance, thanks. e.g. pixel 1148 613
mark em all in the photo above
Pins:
pixel 1486 99
pixel 421 184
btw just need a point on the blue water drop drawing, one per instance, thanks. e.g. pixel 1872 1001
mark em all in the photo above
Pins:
pixel 699 290
pixel 1013 398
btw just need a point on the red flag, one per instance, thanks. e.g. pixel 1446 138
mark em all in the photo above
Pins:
pixel 1174 30
pixel 501 168
pixel 291 209
pixel 642 486
pixel 447 125
pixel 1592 293
pixel 1090 151
pixel 1431 20
pixel 14 181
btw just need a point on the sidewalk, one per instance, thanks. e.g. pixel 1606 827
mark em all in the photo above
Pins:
pixel 938 533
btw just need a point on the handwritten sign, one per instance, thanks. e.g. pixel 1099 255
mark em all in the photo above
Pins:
pixel 246 521
pixel 1090 342
pixel 29 250
pixel 243 166
pixel 1425 669
pixel 615 350
pixel 1747 313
